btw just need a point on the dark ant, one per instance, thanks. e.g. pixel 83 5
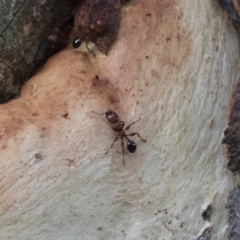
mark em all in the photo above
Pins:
pixel 117 126
pixel 97 21
pixel 90 34
pixel 57 39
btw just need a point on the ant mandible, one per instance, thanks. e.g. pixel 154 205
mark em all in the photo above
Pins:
pixel 117 126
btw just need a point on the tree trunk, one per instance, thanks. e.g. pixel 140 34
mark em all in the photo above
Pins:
pixel 174 65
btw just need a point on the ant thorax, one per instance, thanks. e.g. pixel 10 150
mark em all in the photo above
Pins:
pixel 118 126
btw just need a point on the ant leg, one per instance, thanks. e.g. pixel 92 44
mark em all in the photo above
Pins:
pixel 132 134
pixel 90 49
pixel 104 112
pixel 131 124
pixel 112 144
pixel 123 152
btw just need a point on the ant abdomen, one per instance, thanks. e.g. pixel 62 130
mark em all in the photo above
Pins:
pixel 131 146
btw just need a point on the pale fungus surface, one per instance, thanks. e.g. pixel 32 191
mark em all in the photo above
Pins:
pixel 174 65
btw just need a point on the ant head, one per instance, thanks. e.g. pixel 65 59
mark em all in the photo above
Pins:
pixel 112 117
pixel 131 146
pixel 76 42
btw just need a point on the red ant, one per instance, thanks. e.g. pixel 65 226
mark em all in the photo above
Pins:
pixel 117 126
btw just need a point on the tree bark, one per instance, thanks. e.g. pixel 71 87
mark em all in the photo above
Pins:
pixel 174 65
pixel 23 40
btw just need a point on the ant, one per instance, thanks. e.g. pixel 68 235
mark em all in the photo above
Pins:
pixel 91 33
pixel 117 126
pixel 97 21
pixel 57 39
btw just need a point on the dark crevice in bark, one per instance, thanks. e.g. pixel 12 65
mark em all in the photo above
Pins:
pixel 233 206
pixel 232 133
pixel 205 235
pixel 24 29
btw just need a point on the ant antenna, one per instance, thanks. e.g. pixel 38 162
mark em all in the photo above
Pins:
pixel 104 112
pixel 98 113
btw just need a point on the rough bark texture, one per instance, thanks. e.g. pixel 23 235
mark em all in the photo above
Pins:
pixel 174 64
pixel 233 206
pixel 232 10
pixel 205 235
pixel 24 27
pixel 232 133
